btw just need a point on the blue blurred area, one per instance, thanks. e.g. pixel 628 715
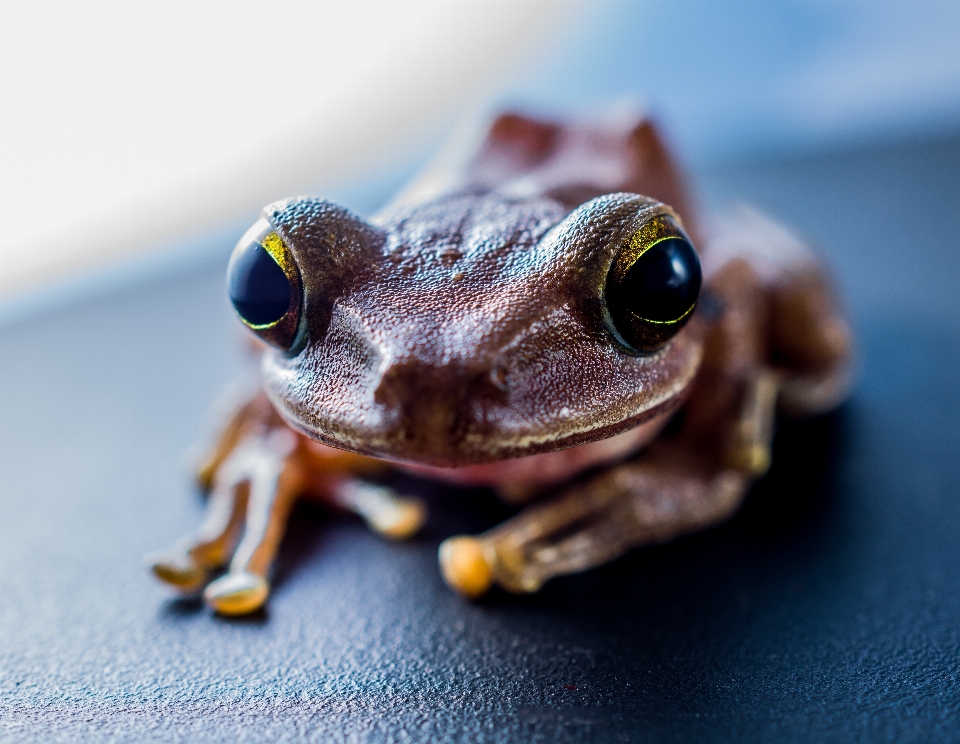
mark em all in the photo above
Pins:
pixel 746 78
pixel 731 81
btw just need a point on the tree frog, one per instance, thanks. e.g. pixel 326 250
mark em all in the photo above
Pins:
pixel 547 317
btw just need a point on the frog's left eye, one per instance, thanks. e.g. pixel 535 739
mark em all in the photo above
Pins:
pixel 265 287
pixel 653 285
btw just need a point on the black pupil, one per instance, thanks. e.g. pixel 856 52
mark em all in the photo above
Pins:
pixel 664 282
pixel 259 289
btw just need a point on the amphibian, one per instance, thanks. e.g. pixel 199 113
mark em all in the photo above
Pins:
pixel 531 321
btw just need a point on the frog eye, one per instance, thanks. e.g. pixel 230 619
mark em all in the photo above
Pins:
pixel 264 285
pixel 653 285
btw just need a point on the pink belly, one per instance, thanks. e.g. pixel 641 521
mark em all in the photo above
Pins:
pixel 547 469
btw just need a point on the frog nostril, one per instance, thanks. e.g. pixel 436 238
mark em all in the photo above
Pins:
pixel 498 377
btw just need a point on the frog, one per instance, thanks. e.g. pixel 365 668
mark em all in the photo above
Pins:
pixel 545 314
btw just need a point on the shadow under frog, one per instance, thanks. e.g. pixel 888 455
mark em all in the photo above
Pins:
pixel 530 321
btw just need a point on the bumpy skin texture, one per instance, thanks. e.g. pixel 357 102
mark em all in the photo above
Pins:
pixel 462 334
pixel 518 359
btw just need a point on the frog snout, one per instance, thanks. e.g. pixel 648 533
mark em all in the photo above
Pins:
pixel 436 404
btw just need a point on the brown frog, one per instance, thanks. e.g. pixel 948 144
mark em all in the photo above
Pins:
pixel 530 321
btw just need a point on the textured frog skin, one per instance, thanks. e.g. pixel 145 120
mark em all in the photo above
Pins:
pixel 467 330
pixel 463 334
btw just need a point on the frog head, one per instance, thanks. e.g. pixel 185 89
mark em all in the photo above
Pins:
pixel 473 327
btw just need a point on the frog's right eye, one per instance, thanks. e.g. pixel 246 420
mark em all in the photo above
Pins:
pixel 265 287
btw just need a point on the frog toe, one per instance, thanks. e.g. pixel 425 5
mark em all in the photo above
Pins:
pixel 385 511
pixel 178 570
pixel 464 566
pixel 405 522
pixel 238 593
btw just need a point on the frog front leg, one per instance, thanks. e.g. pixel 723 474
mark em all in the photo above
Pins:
pixel 672 489
pixel 257 470
pixel 273 475
pixel 656 499
pixel 188 564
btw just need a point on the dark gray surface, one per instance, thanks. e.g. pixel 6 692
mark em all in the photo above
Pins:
pixel 828 610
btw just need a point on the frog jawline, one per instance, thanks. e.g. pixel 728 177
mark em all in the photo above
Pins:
pixel 545 470
pixel 474 456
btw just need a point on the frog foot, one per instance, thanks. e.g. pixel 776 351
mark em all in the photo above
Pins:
pixel 237 593
pixel 464 566
pixel 252 494
pixel 178 569
pixel 385 511
pixel 665 494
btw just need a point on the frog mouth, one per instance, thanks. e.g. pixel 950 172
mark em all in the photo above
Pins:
pixel 457 415
pixel 437 437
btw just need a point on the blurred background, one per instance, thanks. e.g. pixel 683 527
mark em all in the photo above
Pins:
pixel 134 136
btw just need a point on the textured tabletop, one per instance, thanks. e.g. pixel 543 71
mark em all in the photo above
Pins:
pixel 828 610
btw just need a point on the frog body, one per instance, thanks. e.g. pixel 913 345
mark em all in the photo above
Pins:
pixel 529 316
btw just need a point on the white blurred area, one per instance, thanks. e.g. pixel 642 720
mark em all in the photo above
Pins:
pixel 125 126
pixel 137 129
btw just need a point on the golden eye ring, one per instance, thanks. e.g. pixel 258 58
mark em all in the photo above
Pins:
pixel 653 286
pixel 265 287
